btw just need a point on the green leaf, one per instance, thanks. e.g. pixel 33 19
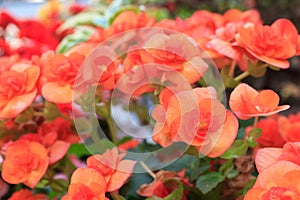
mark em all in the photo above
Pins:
pixel 232 173
pixel 25 116
pixel 198 166
pixel 248 186
pixel 253 135
pixel 79 150
pixel 81 34
pixel 84 18
pixel 238 149
pixel 51 111
pixel 192 150
pixel 208 182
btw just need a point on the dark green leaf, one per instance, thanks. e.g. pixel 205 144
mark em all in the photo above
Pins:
pixel 79 150
pixel 209 181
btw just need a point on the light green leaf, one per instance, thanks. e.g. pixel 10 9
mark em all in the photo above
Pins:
pixel 238 149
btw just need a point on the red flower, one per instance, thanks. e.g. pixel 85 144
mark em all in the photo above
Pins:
pixel 289 127
pixel 164 184
pixel 246 102
pixel 115 170
pixel 271 136
pixel 25 162
pixel 272 44
pixel 28 195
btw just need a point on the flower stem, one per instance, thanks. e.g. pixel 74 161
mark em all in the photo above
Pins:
pixel 112 129
pixel 232 67
pixel 255 122
pixel 115 195
pixel 148 170
pixel 242 76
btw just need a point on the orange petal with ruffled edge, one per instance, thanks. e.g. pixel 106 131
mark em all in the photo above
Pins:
pixel 92 179
pixel 266 157
pixel 287 29
pixel 121 175
pixel 280 63
pixel 194 69
pixel 17 104
pixel 57 151
pixel 273 175
pixel 236 103
pixel 36 175
pixel 56 93
pixel 223 140
pixel 161 134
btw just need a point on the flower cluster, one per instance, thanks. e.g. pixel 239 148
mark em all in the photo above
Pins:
pixel 46 83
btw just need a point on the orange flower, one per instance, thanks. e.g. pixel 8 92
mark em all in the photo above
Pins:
pixel 17 89
pixel 121 22
pixel 176 53
pixel 270 133
pixel 86 184
pixel 25 162
pixel 272 44
pixel 279 181
pixel 237 16
pixel 114 170
pixel 268 156
pixel 197 118
pixel 28 195
pixel 290 127
pixel 58 76
pixel 137 73
pixel 164 184
pixel 246 102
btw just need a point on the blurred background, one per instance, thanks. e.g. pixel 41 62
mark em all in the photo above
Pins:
pixel 286 83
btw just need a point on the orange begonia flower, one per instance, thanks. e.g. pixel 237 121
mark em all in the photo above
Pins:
pixel 237 16
pixel 121 22
pixel 279 181
pixel 246 102
pixel 86 183
pixel 270 136
pixel 25 162
pixel 137 74
pixel 114 170
pixel 197 118
pixel 289 127
pixel 268 156
pixel 58 76
pixel 176 53
pixel 272 44
pixel 17 89
pixel 164 184
pixel 28 195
